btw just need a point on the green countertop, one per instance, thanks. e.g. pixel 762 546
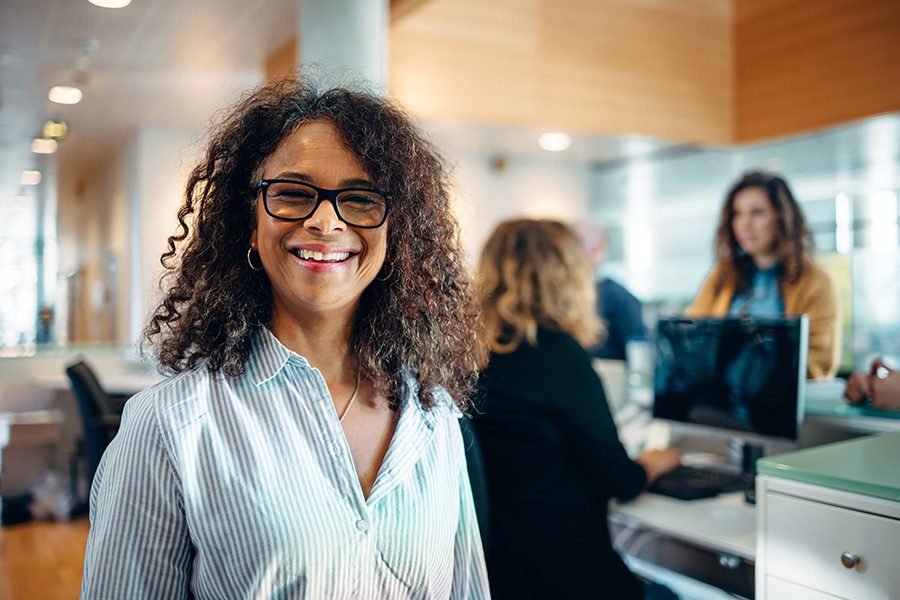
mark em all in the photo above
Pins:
pixel 865 465
pixel 841 408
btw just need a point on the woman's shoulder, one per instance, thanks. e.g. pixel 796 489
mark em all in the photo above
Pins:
pixel 173 401
pixel 815 279
pixel 558 341
pixel 552 347
pixel 557 354
pixel 715 290
pixel 814 271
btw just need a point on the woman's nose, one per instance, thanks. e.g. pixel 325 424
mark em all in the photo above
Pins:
pixel 324 218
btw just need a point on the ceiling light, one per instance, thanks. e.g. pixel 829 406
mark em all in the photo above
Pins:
pixel 555 141
pixel 111 3
pixel 43 145
pixel 55 129
pixel 30 178
pixel 65 94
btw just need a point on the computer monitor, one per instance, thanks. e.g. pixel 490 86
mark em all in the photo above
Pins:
pixel 742 377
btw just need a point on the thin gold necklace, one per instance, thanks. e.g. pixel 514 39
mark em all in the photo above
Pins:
pixel 352 398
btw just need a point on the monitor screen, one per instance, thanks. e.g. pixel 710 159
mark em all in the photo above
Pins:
pixel 746 375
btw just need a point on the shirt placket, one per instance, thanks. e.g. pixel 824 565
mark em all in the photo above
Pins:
pixel 359 513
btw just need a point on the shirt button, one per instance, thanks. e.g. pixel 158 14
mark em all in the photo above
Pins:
pixel 362 525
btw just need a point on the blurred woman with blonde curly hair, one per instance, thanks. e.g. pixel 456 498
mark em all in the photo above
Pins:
pixel 551 451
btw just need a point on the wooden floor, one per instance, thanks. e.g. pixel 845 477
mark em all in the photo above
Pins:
pixel 42 560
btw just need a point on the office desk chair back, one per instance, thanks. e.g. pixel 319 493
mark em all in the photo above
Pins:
pixel 99 419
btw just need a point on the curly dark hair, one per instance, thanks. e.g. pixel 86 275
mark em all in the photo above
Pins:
pixel 794 243
pixel 419 312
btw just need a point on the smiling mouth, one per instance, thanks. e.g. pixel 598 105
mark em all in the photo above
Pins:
pixel 323 257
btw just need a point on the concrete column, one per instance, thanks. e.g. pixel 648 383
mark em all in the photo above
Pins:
pixel 46 251
pixel 345 42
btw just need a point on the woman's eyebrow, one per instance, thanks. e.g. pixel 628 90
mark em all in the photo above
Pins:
pixel 297 176
pixel 365 183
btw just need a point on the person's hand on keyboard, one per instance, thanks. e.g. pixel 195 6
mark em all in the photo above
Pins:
pixel 658 462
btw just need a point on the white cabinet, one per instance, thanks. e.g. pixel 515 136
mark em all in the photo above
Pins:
pixel 779 588
pixel 819 543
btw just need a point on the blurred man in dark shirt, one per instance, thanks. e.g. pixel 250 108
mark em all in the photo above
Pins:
pixel 619 309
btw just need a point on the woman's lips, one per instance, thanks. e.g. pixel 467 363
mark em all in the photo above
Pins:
pixel 321 259
pixel 320 256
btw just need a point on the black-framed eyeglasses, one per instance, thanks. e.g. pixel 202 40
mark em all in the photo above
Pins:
pixel 291 200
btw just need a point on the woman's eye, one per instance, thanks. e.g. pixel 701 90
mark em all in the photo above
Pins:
pixel 297 194
pixel 359 200
pixel 362 201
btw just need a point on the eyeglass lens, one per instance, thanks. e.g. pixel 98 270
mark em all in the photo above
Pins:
pixel 292 200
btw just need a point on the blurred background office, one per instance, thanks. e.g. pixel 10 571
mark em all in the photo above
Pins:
pixel 637 113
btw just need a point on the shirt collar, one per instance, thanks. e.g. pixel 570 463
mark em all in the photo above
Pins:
pixel 409 401
pixel 268 357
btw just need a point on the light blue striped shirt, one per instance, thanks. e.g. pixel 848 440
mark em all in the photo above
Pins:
pixel 244 487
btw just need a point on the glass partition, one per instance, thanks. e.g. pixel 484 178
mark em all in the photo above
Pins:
pixel 664 211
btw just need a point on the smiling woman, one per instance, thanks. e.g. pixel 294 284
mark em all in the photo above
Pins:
pixel 321 334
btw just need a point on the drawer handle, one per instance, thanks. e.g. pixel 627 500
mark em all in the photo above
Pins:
pixel 850 560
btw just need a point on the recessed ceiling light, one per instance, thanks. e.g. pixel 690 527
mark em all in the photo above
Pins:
pixel 55 129
pixel 111 3
pixel 65 94
pixel 555 141
pixel 30 178
pixel 43 146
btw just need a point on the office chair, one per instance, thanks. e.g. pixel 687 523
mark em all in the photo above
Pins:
pixel 99 417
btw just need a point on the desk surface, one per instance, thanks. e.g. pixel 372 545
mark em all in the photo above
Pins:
pixel 724 523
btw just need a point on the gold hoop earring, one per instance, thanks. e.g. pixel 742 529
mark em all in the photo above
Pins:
pixel 250 260
pixel 388 276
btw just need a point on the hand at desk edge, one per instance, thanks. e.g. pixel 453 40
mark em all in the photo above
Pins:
pixel 880 387
pixel 659 462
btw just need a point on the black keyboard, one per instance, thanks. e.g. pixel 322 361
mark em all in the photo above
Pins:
pixel 692 483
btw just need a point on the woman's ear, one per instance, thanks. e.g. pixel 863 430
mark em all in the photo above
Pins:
pixel 253 238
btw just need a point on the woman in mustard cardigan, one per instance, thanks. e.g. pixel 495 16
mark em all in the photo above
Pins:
pixel 764 268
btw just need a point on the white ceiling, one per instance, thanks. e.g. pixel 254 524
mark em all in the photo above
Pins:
pixel 166 63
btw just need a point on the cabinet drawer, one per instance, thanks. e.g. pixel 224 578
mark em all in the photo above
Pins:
pixel 779 589
pixel 804 541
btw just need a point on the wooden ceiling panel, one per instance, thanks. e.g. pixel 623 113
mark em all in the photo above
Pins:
pixel 806 65
pixel 466 59
pixel 654 67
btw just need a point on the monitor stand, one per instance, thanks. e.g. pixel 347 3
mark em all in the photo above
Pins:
pixel 706 445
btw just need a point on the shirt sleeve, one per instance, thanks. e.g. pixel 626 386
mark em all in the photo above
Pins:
pixel 585 415
pixel 469 571
pixel 819 299
pixel 139 545
pixel 704 304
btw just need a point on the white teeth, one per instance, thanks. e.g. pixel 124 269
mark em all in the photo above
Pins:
pixel 323 257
